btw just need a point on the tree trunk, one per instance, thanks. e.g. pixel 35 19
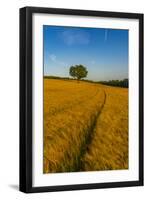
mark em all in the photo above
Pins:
pixel 78 80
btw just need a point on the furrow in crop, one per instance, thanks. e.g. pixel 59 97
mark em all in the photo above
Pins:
pixel 89 136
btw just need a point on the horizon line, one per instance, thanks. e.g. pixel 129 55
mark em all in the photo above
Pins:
pixel 83 79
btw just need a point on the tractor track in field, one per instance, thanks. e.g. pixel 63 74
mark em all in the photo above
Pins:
pixel 76 103
pixel 89 137
pixel 79 165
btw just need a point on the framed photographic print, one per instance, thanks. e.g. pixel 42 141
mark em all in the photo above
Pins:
pixel 81 99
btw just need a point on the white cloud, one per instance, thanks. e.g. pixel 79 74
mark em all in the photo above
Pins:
pixel 54 59
pixel 71 37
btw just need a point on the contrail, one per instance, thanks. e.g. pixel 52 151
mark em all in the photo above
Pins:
pixel 106 35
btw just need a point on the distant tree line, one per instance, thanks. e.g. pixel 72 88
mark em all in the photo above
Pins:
pixel 57 77
pixel 118 83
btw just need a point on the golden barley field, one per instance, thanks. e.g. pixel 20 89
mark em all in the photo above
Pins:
pixel 85 126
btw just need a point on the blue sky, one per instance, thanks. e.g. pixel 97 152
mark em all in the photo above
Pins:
pixel 103 51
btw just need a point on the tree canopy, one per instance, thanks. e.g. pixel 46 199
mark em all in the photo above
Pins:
pixel 78 71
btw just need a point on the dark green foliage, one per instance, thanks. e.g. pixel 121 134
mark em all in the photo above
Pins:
pixel 118 83
pixel 72 71
pixel 57 77
pixel 78 71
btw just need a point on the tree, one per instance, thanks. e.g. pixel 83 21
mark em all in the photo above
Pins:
pixel 78 71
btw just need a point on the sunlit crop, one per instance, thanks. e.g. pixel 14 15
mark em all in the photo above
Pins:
pixel 85 126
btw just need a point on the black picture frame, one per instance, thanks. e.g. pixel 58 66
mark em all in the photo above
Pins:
pixel 26 99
